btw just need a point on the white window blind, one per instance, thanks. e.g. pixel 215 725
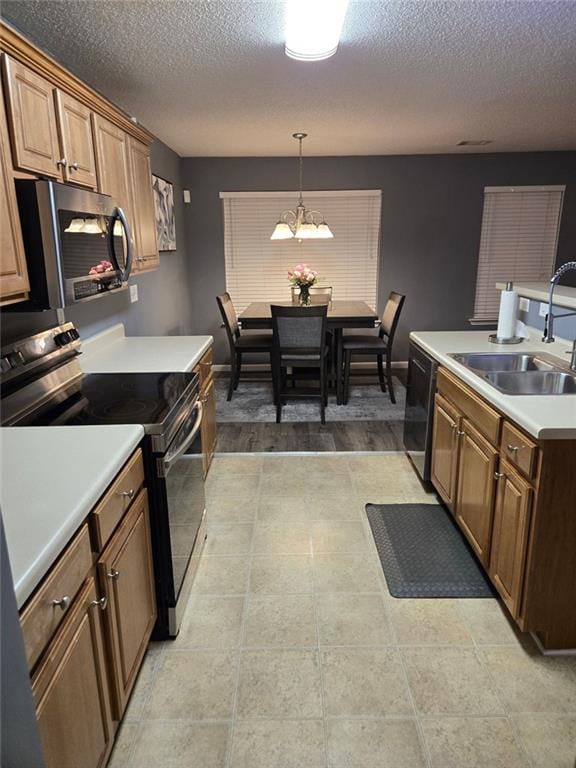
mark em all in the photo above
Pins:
pixel 256 267
pixel 518 241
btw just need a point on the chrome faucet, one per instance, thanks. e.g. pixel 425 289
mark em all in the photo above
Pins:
pixel 550 317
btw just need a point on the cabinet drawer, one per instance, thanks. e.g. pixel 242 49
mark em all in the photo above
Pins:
pixel 483 417
pixel 519 450
pixel 42 616
pixel 106 516
pixel 204 368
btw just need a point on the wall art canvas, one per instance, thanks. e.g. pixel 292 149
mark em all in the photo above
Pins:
pixel 164 209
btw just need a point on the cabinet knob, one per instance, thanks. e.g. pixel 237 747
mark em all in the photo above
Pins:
pixel 73 166
pixel 62 163
pixel 499 475
pixel 127 494
pixel 102 603
pixel 62 602
pixel 113 574
pixel 461 432
pixel 512 448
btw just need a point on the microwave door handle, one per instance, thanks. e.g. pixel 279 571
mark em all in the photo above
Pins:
pixel 121 217
pixel 172 457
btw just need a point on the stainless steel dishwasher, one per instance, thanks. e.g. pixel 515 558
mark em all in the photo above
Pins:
pixel 419 413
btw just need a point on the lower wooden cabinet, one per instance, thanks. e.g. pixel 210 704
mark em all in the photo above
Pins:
pixel 209 430
pixel 71 690
pixel 127 579
pixel 510 537
pixel 476 484
pixel 445 453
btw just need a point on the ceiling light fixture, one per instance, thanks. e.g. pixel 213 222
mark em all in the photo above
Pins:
pixel 300 223
pixel 313 28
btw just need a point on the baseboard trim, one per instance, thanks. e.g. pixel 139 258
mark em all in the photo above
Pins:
pixel 253 367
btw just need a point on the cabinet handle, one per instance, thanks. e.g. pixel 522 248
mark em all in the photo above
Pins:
pixel 128 494
pixel 62 603
pixel 461 432
pixel 499 475
pixel 454 427
pixel 102 603
pixel 62 163
pixel 512 448
pixel 73 167
pixel 113 574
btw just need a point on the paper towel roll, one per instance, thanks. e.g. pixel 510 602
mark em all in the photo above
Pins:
pixel 508 314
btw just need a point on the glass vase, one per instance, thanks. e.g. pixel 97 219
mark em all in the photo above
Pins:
pixel 304 297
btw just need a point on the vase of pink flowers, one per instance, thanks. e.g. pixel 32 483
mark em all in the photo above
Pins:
pixel 303 277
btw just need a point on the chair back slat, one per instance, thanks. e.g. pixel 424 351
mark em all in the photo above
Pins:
pixel 299 328
pixel 391 315
pixel 229 317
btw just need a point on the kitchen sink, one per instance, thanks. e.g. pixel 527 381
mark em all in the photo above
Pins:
pixel 533 382
pixel 521 374
pixel 503 362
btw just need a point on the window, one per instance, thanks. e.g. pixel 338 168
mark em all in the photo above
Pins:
pixel 518 241
pixel 256 266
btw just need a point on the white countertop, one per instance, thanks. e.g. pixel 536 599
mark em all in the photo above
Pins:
pixel 51 478
pixel 113 352
pixel 564 295
pixel 545 417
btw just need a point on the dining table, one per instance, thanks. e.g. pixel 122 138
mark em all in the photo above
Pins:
pixel 341 314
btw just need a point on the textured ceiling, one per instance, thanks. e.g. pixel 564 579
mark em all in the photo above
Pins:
pixel 210 78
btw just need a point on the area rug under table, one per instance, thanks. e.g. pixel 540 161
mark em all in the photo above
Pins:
pixel 423 554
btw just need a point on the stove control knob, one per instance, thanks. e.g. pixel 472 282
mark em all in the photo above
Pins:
pixel 73 333
pixel 61 339
pixel 12 360
pixel 5 365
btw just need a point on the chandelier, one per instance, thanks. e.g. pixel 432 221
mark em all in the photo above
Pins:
pixel 301 223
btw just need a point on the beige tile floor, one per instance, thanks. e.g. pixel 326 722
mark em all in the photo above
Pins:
pixel 292 654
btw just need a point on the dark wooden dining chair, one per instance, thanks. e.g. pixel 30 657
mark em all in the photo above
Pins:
pixel 240 343
pixel 299 342
pixel 379 345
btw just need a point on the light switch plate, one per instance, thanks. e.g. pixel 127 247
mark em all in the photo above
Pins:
pixel 543 311
pixel 133 293
pixel 524 305
pixel 186 195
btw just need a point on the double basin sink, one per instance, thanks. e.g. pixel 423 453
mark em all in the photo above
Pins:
pixel 521 374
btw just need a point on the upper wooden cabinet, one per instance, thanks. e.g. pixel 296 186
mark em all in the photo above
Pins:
pixel 112 162
pixel 143 206
pixel 32 120
pixel 14 284
pixel 77 145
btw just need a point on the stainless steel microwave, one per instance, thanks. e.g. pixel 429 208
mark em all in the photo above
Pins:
pixel 79 244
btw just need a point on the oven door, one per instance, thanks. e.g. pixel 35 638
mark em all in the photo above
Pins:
pixel 180 471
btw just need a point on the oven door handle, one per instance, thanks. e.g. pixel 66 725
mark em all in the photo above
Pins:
pixel 175 454
pixel 120 216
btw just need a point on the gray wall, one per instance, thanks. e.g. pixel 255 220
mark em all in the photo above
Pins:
pixel 431 218
pixel 164 305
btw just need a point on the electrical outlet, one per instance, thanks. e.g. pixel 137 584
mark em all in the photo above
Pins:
pixel 543 311
pixel 524 305
pixel 133 293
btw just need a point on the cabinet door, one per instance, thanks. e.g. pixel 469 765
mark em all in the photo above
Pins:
pixel 144 217
pixel 209 431
pixel 32 120
pixel 476 483
pixel 445 449
pixel 127 578
pixel 71 690
pixel 510 537
pixel 112 164
pixel 76 141
pixel 14 283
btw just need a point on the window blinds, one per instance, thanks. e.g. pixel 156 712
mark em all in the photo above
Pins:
pixel 256 266
pixel 518 241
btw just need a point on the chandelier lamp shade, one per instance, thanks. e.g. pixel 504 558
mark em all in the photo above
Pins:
pixel 301 223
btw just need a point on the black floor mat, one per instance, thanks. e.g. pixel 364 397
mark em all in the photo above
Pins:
pixel 423 553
